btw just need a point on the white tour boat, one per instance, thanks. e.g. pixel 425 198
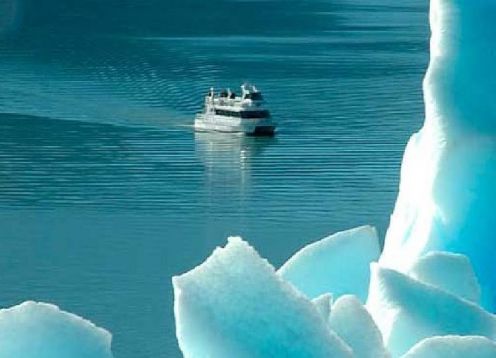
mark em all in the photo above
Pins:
pixel 227 112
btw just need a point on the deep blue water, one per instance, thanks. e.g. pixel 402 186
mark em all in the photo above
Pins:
pixel 106 191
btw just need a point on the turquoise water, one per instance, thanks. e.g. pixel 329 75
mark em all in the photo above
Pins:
pixel 105 189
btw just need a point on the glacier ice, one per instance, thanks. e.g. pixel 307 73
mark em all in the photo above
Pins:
pixel 235 305
pixel 451 272
pixel 339 264
pixel 447 192
pixel 453 347
pixel 352 322
pixel 408 311
pixel 323 303
pixel 40 330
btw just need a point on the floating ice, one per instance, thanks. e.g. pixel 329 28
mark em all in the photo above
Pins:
pixel 235 305
pixel 448 176
pixel 323 303
pixel 39 330
pixel 351 321
pixel 408 311
pixel 339 264
pixel 451 272
pixel 454 347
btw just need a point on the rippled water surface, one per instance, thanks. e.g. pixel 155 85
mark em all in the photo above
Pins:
pixel 105 189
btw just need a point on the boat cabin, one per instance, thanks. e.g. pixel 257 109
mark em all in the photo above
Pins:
pixel 246 106
pixel 226 111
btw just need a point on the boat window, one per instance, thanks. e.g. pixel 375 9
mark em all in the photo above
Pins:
pixel 255 96
pixel 255 114
pixel 222 112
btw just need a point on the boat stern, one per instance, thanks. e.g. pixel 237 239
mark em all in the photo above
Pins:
pixel 263 131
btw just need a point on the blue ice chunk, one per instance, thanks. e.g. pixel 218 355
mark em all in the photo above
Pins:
pixel 447 187
pixel 339 264
pixel 323 303
pixel 408 311
pixel 352 322
pixel 453 347
pixel 451 272
pixel 39 330
pixel 461 74
pixel 235 305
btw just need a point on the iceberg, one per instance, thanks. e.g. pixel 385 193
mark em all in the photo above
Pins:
pixel 40 330
pixel 338 264
pixel 323 303
pixel 451 272
pixel 352 322
pixel 408 311
pixel 235 305
pixel 453 347
pixel 447 192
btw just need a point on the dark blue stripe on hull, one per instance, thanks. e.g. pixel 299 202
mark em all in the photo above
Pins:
pixel 263 131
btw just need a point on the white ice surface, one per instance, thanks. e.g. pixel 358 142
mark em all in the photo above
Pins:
pixel 447 191
pixel 235 305
pixel 323 303
pixel 408 311
pixel 352 322
pixel 39 330
pixel 451 272
pixel 338 264
pixel 454 347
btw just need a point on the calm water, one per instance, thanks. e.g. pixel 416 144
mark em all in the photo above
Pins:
pixel 105 189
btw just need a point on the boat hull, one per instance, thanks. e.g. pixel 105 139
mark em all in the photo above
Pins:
pixel 263 131
pixel 252 127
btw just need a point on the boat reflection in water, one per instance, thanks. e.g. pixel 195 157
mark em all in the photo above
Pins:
pixel 229 159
